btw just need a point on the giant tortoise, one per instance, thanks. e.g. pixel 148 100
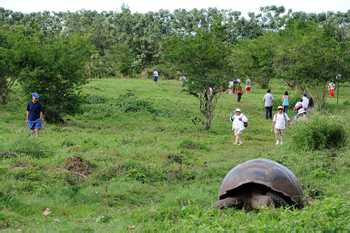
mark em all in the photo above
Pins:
pixel 260 183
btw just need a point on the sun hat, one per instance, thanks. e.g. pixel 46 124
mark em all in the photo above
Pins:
pixel 35 95
pixel 301 111
pixel 280 107
pixel 238 110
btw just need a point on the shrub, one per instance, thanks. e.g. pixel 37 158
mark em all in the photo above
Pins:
pixel 129 102
pixel 319 132
pixel 55 69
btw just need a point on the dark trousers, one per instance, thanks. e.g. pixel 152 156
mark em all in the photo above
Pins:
pixel 268 112
pixel 239 96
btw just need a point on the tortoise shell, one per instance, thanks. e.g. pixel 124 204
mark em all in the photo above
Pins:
pixel 263 172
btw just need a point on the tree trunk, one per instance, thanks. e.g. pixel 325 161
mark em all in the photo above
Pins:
pixel 207 102
pixel 3 90
pixel 319 95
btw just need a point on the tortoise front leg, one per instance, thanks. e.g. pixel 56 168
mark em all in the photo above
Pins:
pixel 229 202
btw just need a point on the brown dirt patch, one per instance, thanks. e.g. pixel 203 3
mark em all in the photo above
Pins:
pixel 78 166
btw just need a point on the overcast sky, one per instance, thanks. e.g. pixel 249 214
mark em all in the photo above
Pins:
pixel 154 5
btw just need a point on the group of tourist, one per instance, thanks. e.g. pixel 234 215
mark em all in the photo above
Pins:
pixel 235 88
pixel 280 120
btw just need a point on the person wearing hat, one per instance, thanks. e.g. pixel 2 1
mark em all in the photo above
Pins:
pixel 301 115
pixel 35 115
pixel 239 123
pixel 279 124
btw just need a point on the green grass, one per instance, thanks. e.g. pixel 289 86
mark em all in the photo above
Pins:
pixel 157 171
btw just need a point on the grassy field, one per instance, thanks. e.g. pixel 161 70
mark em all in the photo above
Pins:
pixel 155 170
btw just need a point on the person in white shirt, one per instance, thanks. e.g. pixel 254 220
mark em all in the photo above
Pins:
pixel 301 115
pixel 155 75
pixel 268 103
pixel 239 123
pixel 305 102
pixel 279 124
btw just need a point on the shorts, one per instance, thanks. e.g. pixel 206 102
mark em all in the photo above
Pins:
pixel 35 124
pixel 279 131
pixel 247 88
pixel 237 131
pixel 155 78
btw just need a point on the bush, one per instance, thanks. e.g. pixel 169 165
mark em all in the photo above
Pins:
pixel 55 69
pixel 129 102
pixel 319 132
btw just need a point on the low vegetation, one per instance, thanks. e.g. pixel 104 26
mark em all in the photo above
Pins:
pixel 107 170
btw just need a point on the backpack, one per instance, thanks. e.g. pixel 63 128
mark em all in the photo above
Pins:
pixel 245 123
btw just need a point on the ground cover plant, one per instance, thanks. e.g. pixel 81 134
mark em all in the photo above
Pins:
pixel 108 170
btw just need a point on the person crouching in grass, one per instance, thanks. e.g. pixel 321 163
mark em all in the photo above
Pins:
pixel 35 115
pixel 239 123
pixel 279 124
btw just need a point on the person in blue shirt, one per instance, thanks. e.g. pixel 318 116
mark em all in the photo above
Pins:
pixel 285 102
pixel 35 115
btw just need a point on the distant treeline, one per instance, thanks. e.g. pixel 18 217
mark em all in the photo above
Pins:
pixel 127 43
pixel 54 53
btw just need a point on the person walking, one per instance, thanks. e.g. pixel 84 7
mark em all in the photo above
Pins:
pixel 155 75
pixel 239 123
pixel 331 88
pixel 248 86
pixel 305 102
pixel 268 103
pixel 239 93
pixel 301 115
pixel 279 124
pixel 35 115
pixel 285 102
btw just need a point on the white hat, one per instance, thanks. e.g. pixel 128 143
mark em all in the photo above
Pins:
pixel 301 111
pixel 238 110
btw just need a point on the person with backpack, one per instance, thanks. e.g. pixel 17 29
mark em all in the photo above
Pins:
pixel 268 103
pixel 35 115
pixel 279 124
pixel 239 123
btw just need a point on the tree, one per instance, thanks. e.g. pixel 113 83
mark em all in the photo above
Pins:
pixel 55 69
pixel 311 55
pixel 254 58
pixel 7 61
pixel 202 57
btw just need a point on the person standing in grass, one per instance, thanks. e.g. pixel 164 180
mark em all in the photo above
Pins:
pixel 239 123
pixel 248 86
pixel 35 115
pixel 239 93
pixel 279 124
pixel 285 102
pixel 301 115
pixel 268 101
pixel 305 102
pixel 155 75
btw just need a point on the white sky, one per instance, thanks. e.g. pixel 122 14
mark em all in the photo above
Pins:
pixel 154 5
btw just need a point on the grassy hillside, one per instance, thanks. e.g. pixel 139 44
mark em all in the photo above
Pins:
pixel 155 170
